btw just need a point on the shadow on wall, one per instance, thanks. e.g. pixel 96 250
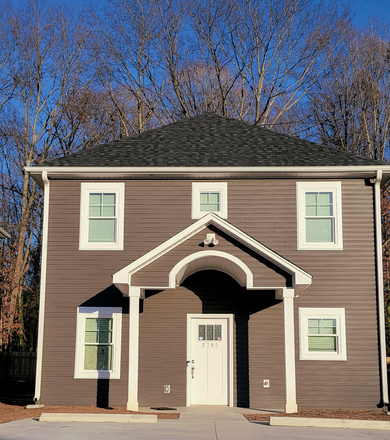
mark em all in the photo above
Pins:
pixel 220 293
pixel 110 297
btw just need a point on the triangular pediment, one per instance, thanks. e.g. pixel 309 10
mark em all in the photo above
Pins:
pixel 300 278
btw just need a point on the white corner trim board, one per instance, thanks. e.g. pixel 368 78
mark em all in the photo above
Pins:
pixel 381 305
pixel 42 292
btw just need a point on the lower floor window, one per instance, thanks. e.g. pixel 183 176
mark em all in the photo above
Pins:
pixel 98 342
pixel 322 334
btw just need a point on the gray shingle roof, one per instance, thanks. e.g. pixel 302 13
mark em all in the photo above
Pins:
pixel 210 140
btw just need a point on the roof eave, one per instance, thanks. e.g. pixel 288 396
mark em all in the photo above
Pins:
pixel 355 171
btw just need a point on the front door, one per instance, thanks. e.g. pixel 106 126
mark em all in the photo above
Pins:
pixel 208 369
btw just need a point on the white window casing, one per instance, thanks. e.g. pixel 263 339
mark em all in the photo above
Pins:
pixel 319 216
pixel 102 216
pixel 82 369
pixel 322 335
pixel 209 197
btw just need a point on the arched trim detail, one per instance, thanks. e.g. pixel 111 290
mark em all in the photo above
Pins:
pixel 211 259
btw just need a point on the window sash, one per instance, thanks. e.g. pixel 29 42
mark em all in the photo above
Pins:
pixel 98 344
pixel 319 216
pixel 210 201
pixel 102 219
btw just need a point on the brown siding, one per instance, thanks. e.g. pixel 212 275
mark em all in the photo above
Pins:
pixel 264 209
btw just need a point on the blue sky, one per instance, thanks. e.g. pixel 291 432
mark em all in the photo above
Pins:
pixel 363 9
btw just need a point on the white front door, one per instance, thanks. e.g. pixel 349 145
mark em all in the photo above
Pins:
pixel 208 370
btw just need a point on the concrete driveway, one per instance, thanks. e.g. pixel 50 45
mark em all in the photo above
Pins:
pixel 188 427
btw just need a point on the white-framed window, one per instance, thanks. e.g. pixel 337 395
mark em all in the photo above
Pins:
pixel 101 216
pixel 98 343
pixel 209 197
pixel 322 334
pixel 319 215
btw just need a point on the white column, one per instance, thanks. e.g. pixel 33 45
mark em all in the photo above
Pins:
pixel 134 294
pixel 289 350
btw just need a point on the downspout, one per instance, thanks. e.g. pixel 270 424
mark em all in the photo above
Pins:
pixel 381 302
pixel 42 293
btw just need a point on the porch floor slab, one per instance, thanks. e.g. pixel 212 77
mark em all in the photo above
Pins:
pixel 210 412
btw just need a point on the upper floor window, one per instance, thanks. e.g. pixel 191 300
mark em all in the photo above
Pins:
pixel 101 216
pixel 319 215
pixel 209 197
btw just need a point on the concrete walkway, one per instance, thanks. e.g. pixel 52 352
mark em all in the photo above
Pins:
pixel 195 423
pixel 212 413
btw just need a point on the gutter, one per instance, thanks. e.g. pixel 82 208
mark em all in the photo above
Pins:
pixel 380 290
pixel 42 293
pixel 311 172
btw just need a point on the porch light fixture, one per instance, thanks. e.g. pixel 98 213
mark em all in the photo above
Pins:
pixel 210 240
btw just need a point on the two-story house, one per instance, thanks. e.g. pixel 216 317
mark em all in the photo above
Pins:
pixel 212 262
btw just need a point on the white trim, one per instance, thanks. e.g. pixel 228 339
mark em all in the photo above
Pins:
pixel 191 169
pixel 301 278
pixel 42 290
pixel 335 189
pixel 381 304
pixel 211 253
pixel 98 312
pixel 119 190
pixel 230 318
pixel 204 187
pixel 210 172
pixel 289 350
pixel 132 400
pixel 306 313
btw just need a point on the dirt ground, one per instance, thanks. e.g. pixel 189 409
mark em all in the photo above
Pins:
pixel 9 413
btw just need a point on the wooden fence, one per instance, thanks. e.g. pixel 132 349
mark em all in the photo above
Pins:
pixel 17 366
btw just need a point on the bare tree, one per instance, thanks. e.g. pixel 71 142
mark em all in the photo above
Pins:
pixel 48 62
pixel 122 55
pixel 277 48
pixel 350 108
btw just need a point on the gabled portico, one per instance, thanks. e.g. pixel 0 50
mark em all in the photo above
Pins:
pixel 286 288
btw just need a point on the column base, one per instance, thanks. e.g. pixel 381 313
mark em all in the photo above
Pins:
pixel 132 406
pixel 291 408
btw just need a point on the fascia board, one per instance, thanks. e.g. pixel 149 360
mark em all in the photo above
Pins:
pixel 214 172
pixel 165 170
